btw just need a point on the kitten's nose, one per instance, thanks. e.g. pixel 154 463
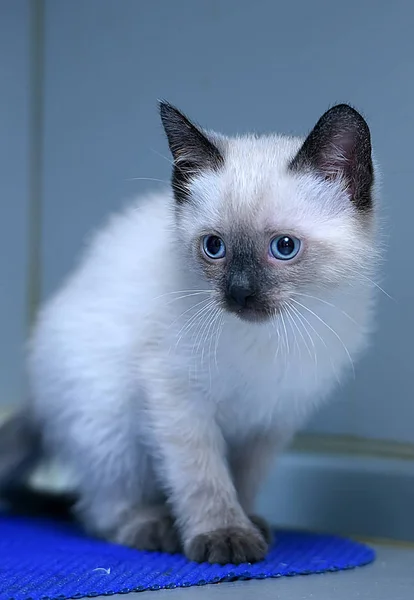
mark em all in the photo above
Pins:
pixel 240 294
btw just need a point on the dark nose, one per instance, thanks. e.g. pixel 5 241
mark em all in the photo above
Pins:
pixel 239 295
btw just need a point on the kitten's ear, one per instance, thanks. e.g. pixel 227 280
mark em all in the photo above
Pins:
pixel 192 151
pixel 339 146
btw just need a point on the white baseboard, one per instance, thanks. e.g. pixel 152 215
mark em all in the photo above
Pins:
pixel 355 495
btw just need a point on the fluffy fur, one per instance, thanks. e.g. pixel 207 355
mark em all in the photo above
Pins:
pixel 166 402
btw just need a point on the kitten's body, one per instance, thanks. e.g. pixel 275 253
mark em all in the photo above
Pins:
pixel 151 390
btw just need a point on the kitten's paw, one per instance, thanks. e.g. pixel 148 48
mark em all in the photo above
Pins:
pixel 156 532
pixel 263 526
pixel 233 545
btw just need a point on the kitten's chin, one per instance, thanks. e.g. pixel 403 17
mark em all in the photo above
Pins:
pixel 251 315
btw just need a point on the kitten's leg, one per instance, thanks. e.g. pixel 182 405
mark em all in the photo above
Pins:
pixel 119 498
pixel 192 463
pixel 249 462
pixel 134 515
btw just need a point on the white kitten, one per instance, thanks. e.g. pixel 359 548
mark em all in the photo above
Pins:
pixel 201 328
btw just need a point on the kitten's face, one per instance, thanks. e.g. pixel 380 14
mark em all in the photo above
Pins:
pixel 269 219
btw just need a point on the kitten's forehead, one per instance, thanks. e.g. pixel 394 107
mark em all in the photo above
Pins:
pixel 270 151
pixel 255 189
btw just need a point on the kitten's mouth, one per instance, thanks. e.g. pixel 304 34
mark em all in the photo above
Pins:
pixel 252 315
pixel 252 312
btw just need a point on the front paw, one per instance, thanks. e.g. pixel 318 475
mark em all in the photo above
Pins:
pixel 233 545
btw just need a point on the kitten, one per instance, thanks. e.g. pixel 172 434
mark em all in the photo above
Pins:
pixel 200 330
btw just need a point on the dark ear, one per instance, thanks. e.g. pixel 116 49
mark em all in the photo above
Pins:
pixel 339 146
pixel 192 151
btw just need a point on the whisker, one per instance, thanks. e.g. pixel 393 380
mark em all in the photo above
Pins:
pixel 148 179
pixel 302 316
pixel 275 324
pixel 292 321
pixel 361 272
pixel 206 318
pixel 185 296
pixel 330 329
pixel 169 160
pixel 374 283
pixel 202 318
pixel 328 304
pixel 216 316
pixel 289 323
pixel 219 330
pixel 205 332
pixel 297 314
pixel 188 325
pixel 189 292
pixel 175 164
pixel 188 310
pixel 285 335
pixel 163 181
pixel 315 355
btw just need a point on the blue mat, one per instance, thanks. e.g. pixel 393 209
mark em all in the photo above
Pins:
pixel 42 560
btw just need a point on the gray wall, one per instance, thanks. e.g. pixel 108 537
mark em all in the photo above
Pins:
pixel 234 65
pixel 14 192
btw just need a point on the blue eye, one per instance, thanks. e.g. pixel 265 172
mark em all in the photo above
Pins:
pixel 284 247
pixel 214 246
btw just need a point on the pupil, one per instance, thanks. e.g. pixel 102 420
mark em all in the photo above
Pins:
pixel 214 245
pixel 286 246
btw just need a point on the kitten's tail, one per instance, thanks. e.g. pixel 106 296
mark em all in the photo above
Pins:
pixel 20 453
pixel 20 449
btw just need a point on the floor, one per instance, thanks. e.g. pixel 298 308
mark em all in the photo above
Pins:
pixel 391 577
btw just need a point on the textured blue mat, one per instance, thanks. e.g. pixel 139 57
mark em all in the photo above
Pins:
pixel 45 560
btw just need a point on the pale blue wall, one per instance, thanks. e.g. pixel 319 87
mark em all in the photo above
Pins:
pixel 234 65
pixel 14 187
